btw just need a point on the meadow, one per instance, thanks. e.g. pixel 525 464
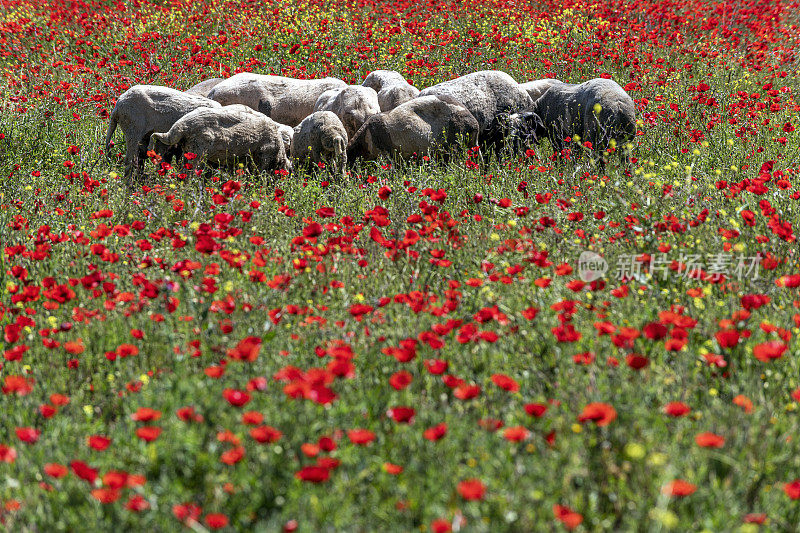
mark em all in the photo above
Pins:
pixel 411 347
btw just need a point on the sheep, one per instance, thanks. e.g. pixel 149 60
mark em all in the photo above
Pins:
pixel 285 100
pixel 146 109
pixel 486 94
pixel 353 105
pixel 378 80
pixel 204 87
pixel 536 88
pixel 515 132
pixel 598 111
pixel 425 125
pixel 320 137
pixel 393 96
pixel 392 88
pixel 221 136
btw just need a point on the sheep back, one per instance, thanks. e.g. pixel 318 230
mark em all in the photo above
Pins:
pixel 285 100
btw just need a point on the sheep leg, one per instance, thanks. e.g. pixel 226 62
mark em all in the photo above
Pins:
pixel 132 151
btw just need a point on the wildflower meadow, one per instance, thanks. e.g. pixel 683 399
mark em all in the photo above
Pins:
pixel 527 343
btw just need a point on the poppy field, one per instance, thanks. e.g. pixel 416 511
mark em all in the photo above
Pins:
pixel 414 347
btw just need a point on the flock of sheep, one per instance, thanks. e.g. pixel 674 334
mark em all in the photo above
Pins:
pixel 274 121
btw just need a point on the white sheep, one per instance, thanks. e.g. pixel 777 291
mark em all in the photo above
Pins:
pixel 353 105
pixel 426 125
pixel 226 135
pixel 320 137
pixel 392 88
pixel 487 94
pixel 596 111
pixel 285 100
pixel 146 109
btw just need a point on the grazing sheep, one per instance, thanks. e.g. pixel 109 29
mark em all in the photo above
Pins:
pixel 204 87
pixel 146 109
pixel 378 80
pixel 353 105
pixel 425 125
pixel 284 100
pixel 392 88
pixel 221 136
pixel 536 88
pixel 486 94
pixel 514 132
pixel 391 97
pixel 597 111
pixel 320 137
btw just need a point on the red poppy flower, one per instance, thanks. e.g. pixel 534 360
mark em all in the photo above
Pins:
pixel 148 433
pixel 357 310
pixel 678 488
pixel 402 414
pixel 313 474
pixel 392 469
pixel 74 347
pixel 309 449
pixel 600 413
pixel 505 382
pixel 55 470
pixel 127 350
pixel 516 433
pixel 754 518
pixel 536 409
pixel 232 456
pixel 313 229
pixel 769 350
pixel 99 442
pixel 145 414
pixel 28 435
pixel 7 454
pixel 83 471
pixel 186 512
pixel 137 503
pixel 636 361
pixel 530 313
pixel 436 366
pixel 744 402
pixel 115 479
pixel 265 434
pixel 471 489
pixel 360 436
pixel 436 432
pixel 235 397
pixel 216 520
pixel 467 392
pixel 440 525
pixel 792 489
pixel 247 350
pixel 105 495
pixel 567 516
pixel 252 418
pixel 676 409
pixel 709 440
pixel 727 338
pixel 400 380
